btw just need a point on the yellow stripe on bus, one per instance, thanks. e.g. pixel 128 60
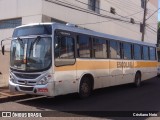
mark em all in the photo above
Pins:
pixel 145 64
pixel 93 65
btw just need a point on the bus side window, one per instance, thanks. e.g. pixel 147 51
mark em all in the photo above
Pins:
pixel 64 51
pixel 84 46
pixel 100 48
pixel 127 51
pixel 145 53
pixel 115 52
pixel 137 52
pixel 152 53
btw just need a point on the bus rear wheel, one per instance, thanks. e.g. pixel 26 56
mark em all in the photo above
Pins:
pixel 137 80
pixel 85 88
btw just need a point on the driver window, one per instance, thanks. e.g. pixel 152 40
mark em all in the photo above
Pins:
pixel 64 51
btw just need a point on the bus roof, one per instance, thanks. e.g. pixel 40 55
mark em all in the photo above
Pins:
pixel 88 32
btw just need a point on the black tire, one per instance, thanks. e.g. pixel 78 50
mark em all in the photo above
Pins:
pixel 137 81
pixel 85 88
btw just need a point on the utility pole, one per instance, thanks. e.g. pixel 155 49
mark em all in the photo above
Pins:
pixel 144 19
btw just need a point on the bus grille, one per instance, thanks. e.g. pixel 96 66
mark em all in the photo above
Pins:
pixel 26 88
pixel 27 76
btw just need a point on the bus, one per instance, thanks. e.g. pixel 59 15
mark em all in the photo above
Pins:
pixel 54 59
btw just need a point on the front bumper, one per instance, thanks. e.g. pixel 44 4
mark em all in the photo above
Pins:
pixel 46 90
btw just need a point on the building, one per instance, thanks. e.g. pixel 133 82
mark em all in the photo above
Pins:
pixel 117 17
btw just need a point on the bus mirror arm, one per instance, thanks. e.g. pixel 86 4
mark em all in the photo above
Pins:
pixel 3 49
pixel 2 46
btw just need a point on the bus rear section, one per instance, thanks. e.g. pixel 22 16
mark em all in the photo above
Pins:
pixel 84 62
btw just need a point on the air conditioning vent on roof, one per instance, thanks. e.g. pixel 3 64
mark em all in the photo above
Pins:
pixel 71 25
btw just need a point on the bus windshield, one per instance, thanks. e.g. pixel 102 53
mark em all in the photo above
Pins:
pixel 31 54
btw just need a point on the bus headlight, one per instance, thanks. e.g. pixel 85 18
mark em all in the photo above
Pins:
pixel 44 80
pixel 12 78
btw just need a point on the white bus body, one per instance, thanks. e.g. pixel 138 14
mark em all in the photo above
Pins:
pixel 72 62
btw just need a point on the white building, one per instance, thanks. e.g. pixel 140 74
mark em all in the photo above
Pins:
pixel 107 16
pixel 91 14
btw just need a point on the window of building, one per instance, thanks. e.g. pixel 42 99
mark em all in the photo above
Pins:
pixel 84 46
pixel 132 20
pixel 145 53
pixel 100 48
pixel 137 52
pixel 143 4
pixel 94 5
pixel 64 51
pixel 12 23
pixel 127 51
pixel 113 10
pixel 152 53
pixel 115 50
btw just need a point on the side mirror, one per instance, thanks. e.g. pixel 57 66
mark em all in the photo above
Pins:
pixel 3 49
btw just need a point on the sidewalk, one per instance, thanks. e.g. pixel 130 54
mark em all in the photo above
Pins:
pixel 7 96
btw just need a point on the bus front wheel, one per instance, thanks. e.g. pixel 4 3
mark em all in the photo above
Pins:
pixel 137 81
pixel 85 88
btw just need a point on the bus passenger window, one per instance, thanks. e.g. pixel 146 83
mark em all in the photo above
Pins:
pixel 100 48
pixel 145 53
pixel 137 52
pixel 115 50
pixel 84 46
pixel 64 51
pixel 127 52
pixel 152 53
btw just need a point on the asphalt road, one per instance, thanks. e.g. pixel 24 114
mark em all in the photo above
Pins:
pixel 117 98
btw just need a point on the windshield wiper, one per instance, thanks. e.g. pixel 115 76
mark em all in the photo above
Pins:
pixel 32 44
pixel 20 42
pixel 36 40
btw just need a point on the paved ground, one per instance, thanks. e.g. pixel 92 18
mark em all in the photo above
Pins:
pixel 6 95
pixel 118 98
pixel 4 68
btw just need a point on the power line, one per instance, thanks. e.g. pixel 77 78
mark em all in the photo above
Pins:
pixel 122 9
pixel 127 28
pixel 95 22
pixel 84 10
pixel 123 5
pixel 58 2
pixel 152 14
pixel 105 10
pixel 151 28
pixel 129 2
pixel 109 11
pixel 107 20
pixel 92 6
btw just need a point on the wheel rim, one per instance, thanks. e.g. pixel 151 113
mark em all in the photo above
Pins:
pixel 85 89
pixel 138 80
